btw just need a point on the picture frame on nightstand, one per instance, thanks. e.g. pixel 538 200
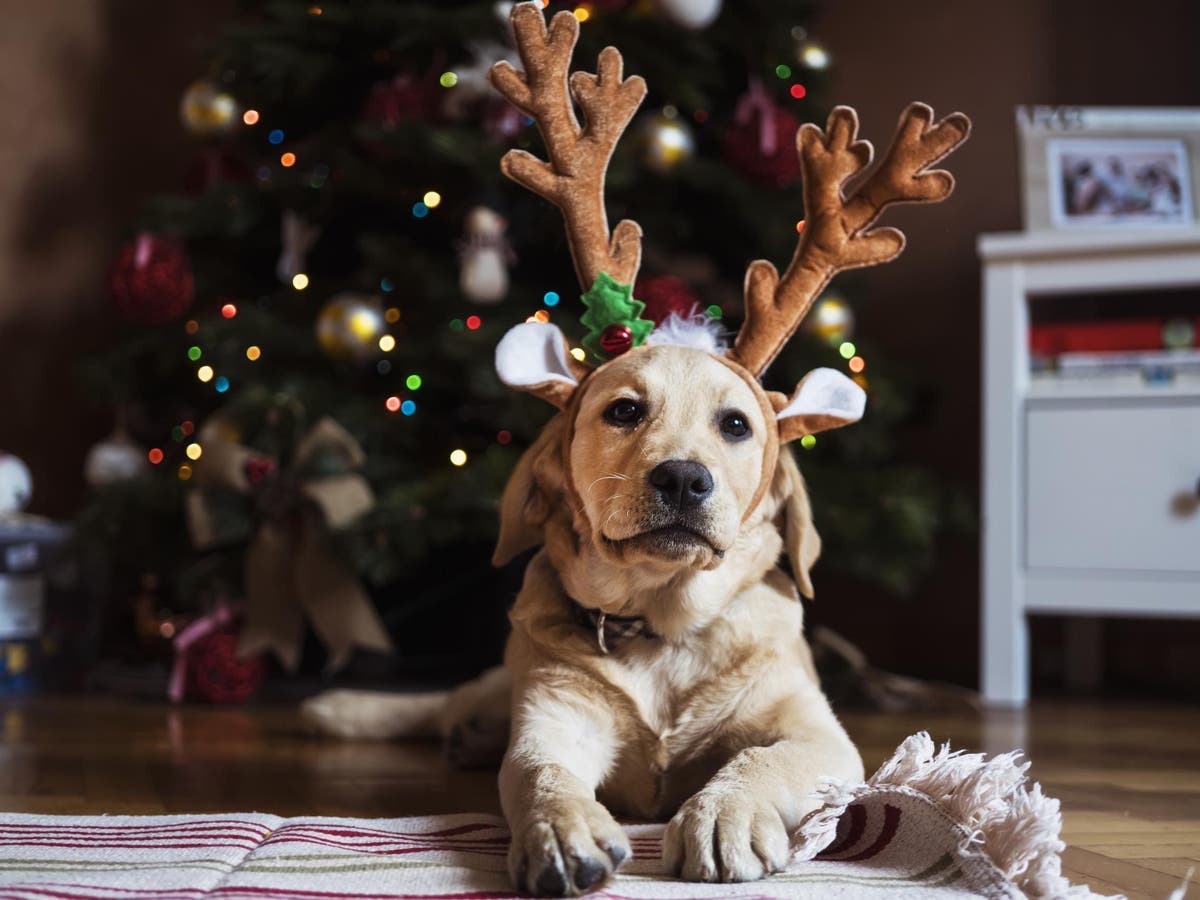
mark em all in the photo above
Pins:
pixel 1088 167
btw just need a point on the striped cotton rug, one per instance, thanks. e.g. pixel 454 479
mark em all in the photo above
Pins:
pixel 928 824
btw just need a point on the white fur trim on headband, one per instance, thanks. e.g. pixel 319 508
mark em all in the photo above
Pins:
pixel 696 330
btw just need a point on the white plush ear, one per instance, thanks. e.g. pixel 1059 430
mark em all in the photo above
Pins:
pixel 535 357
pixel 824 399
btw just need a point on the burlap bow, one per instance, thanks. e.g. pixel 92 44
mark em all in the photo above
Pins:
pixel 291 573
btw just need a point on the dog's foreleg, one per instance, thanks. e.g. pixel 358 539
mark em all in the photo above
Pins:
pixel 563 841
pixel 736 827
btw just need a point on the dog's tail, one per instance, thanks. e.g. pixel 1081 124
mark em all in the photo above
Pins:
pixel 374 715
pixel 479 705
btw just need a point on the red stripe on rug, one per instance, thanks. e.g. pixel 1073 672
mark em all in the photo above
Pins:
pixel 108 845
pixel 347 829
pixel 891 822
pixel 392 851
pixel 287 834
pixel 858 824
pixel 406 842
pixel 192 823
pixel 295 892
pixel 130 840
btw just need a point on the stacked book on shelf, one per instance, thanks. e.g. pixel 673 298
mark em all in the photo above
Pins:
pixel 1156 349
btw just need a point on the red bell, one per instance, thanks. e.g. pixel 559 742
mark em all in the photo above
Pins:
pixel 616 339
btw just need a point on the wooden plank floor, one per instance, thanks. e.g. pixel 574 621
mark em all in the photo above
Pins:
pixel 1128 777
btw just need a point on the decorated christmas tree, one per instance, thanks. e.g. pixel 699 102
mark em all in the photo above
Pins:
pixel 310 436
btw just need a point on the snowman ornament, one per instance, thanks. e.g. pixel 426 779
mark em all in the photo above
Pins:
pixel 485 257
pixel 16 484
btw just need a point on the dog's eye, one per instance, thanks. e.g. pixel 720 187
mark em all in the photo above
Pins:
pixel 734 426
pixel 624 412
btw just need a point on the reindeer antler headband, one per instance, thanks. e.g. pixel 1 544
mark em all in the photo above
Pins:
pixel 838 233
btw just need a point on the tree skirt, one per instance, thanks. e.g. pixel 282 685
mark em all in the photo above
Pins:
pixel 929 823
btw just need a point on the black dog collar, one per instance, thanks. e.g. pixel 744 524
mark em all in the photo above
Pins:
pixel 609 630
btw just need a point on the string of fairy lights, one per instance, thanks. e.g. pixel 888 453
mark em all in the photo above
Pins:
pixel 363 323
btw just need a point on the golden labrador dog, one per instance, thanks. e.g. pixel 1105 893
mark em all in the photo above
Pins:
pixel 656 502
pixel 657 667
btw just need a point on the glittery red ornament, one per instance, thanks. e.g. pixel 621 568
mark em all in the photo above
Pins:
pixel 258 469
pixel 216 675
pixel 664 295
pixel 616 339
pixel 151 280
pixel 213 166
pixel 761 142
pixel 404 98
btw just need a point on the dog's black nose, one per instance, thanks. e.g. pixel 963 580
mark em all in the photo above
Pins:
pixel 681 482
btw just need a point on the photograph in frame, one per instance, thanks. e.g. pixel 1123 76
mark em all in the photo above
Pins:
pixel 1100 181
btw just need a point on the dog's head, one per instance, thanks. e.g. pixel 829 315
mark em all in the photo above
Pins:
pixel 667 455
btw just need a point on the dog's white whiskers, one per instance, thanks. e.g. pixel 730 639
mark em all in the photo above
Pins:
pixel 615 476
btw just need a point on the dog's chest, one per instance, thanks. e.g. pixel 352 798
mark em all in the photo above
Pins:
pixel 676 743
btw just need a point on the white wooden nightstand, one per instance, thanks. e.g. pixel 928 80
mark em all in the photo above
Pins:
pixel 1089 484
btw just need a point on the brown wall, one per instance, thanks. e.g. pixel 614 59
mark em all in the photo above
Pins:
pixel 88 93
pixel 88 97
pixel 982 58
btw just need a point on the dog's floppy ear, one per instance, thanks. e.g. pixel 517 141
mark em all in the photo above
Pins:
pixel 535 357
pixel 527 499
pixel 824 399
pixel 800 538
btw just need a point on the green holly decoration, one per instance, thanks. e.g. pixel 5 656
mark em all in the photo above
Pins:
pixel 608 303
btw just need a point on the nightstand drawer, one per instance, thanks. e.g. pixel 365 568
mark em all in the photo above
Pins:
pixel 1113 486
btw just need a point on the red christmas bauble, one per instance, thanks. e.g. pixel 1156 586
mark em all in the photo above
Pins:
pixel 764 151
pixel 214 166
pixel 664 295
pixel 216 675
pixel 150 281
pixel 258 469
pixel 616 339
pixel 400 99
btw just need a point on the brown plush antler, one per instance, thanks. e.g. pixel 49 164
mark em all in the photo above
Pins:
pixel 837 233
pixel 573 179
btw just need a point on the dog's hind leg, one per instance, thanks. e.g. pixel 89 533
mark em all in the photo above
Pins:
pixel 472 718
pixel 475 720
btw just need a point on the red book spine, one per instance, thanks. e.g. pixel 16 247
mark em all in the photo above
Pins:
pixel 1052 338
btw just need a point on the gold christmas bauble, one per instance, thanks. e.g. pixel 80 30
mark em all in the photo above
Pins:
pixel 206 109
pixel 349 327
pixel 830 319
pixel 665 141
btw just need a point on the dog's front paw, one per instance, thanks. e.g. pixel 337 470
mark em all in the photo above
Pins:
pixel 725 833
pixel 566 848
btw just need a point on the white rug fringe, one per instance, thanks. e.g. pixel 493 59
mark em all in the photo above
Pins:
pixel 1014 826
